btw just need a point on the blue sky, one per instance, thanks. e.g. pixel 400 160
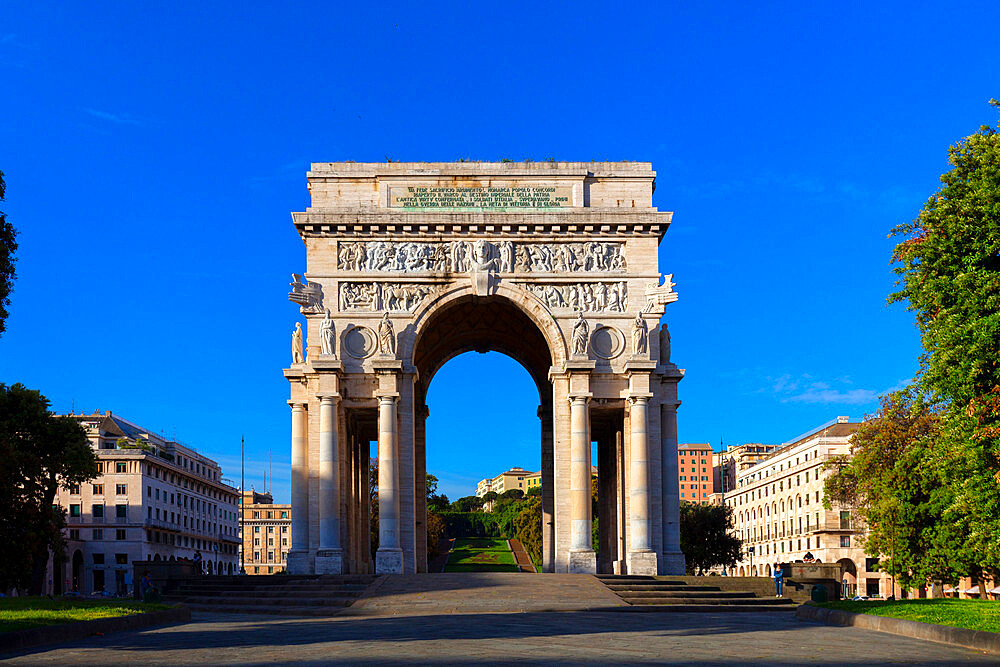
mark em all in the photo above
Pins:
pixel 153 153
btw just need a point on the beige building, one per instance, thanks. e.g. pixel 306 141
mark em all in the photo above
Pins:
pixel 153 499
pixel 735 458
pixel 266 533
pixel 554 264
pixel 778 512
pixel 694 473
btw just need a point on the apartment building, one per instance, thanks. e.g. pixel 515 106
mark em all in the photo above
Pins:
pixel 694 473
pixel 153 499
pixel 267 529
pixel 778 512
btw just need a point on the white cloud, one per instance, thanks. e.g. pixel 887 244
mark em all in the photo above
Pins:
pixel 817 394
pixel 121 119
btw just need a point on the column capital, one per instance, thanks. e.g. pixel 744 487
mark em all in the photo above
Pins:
pixel 639 398
pixel 579 398
pixel 387 398
pixel 298 405
pixel 328 398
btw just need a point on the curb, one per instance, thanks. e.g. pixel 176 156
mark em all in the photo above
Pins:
pixel 978 640
pixel 64 632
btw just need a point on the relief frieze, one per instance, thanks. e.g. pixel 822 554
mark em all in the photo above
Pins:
pixel 582 297
pixel 381 297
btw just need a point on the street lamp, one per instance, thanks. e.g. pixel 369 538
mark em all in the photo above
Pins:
pixel 243 483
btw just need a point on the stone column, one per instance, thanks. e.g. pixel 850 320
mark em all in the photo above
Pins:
pixel 297 559
pixel 389 557
pixel 329 557
pixel 673 558
pixel 548 490
pixel 641 558
pixel 582 558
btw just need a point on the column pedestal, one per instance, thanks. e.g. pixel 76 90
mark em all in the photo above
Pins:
pixel 329 561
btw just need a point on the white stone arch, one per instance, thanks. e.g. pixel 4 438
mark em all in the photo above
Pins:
pixel 522 299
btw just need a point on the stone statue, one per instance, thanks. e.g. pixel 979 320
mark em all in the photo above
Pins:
pixel 297 356
pixel 640 336
pixel 581 332
pixel 664 345
pixel 386 337
pixel 326 334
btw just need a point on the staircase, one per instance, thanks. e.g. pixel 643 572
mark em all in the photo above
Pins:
pixel 287 595
pixel 648 593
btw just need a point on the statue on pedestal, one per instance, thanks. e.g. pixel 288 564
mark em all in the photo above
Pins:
pixel 297 356
pixel 640 336
pixel 581 331
pixel 386 337
pixel 326 335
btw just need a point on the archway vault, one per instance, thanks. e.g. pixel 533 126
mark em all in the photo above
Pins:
pixel 553 265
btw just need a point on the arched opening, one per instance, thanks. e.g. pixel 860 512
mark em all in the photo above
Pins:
pixel 767 570
pixel 208 567
pixel 77 570
pixel 848 577
pixel 742 571
pixel 156 558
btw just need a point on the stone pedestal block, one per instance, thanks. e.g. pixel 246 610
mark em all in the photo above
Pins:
pixel 582 562
pixel 298 562
pixel 329 561
pixel 389 561
pixel 673 563
pixel 641 562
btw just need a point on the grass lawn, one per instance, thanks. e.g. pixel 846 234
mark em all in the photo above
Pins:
pixel 480 554
pixel 970 614
pixel 28 612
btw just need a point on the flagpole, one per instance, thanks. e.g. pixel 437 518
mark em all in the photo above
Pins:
pixel 243 482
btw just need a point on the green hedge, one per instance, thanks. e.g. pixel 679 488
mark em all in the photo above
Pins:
pixel 471 524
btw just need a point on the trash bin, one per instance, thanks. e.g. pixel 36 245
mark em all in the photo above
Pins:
pixel 819 593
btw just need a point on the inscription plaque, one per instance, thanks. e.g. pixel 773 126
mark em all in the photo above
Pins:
pixel 420 197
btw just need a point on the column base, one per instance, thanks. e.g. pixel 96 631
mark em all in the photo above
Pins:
pixel 298 562
pixel 641 562
pixel 582 562
pixel 389 561
pixel 673 563
pixel 329 561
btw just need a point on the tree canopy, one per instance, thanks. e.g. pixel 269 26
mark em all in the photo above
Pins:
pixel 8 246
pixel 40 452
pixel 948 263
pixel 705 537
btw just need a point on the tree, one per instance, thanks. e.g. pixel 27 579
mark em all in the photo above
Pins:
pixel 705 538
pixel 40 452
pixel 532 492
pixel 513 494
pixel 467 504
pixel 896 490
pixel 948 263
pixel 8 246
pixel 490 496
pixel 528 526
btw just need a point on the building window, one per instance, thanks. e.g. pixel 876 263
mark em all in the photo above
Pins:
pixel 871 564
pixel 284 515
pixel 845 540
pixel 74 533
pixel 121 511
pixel 845 520
pixel 74 510
pixel 121 489
pixel 98 559
pixel 121 466
pixel 98 489
pixel 120 534
pixel 270 556
pixel 121 559
pixel 74 489
pixel 256 529
pixel 284 529
pixel 270 529
pixel 99 535
pixel 256 556
pixel 256 514
pixel 97 511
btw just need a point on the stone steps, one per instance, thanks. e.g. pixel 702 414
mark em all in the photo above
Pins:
pixel 654 594
pixel 304 595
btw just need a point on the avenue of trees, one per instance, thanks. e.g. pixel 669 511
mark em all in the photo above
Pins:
pixel 925 469
pixel 8 246
pixel 39 453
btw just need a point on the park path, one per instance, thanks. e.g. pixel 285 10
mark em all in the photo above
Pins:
pixel 437 563
pixel 521 556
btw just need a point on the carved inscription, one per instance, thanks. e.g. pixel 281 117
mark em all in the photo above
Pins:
pixel 464 256
pixel 376 297
pixel 491 197
pixel 582 297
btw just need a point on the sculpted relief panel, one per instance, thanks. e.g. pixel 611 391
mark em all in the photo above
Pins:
pixel 582 297
pixel 461 256
pixel 378 297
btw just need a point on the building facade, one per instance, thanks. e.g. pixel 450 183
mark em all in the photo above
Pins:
pixel 554 264
pixel 778 512
pixel 694 473
pixel 515 478
pixel 153 499
pixel 267 533
pixel 735 458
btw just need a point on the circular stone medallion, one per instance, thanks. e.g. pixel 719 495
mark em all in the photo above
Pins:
pixel 607 342
pixel 359 342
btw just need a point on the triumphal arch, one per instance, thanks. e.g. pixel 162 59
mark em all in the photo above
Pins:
pixel 551 263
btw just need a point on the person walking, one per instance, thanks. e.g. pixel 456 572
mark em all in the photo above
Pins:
pixel 779 580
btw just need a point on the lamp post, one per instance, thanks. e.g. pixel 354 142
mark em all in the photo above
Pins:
pixel 243 482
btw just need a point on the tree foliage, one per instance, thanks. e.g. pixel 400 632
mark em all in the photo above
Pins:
pixel 8 246
pixel 39 452
pixel 948 263
pixel 705 537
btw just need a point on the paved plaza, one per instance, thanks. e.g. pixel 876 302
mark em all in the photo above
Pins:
pixel 532 637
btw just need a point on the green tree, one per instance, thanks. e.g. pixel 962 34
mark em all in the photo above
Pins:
pixel 948 263
pixel 705 537
pixel 8 246
pixel 467 504
pixel 894 487
pixel 40 453
pixel 532 492
pixel 528 526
